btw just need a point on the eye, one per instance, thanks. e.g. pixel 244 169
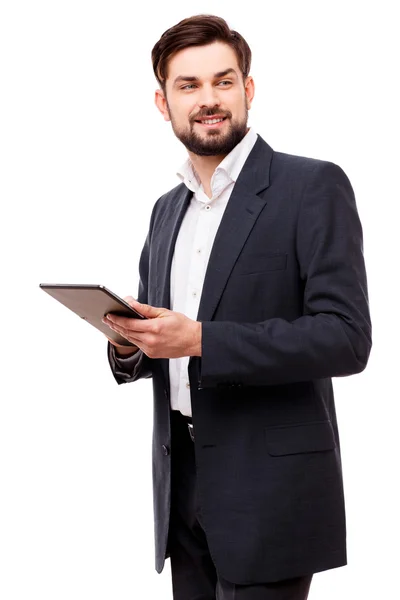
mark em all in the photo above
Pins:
pixel 226 82
pixel 188 86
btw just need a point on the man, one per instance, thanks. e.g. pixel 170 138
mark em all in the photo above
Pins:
pixel 253 281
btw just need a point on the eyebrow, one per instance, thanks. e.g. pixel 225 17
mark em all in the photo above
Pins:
pixel 181 78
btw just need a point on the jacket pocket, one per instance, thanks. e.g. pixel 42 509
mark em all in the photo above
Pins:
pixel 297 439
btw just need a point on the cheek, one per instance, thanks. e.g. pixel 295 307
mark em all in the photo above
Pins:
pixel 234 101
pixel 240 101
pixel 183 111
pixel 239 108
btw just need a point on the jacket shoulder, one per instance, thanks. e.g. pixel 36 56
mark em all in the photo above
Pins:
pixel 169 199
pixel 170 196
pixel 304 167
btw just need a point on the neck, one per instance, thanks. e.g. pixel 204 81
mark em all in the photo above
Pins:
pixel 205 167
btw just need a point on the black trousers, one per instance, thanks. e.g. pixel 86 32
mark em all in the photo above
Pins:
pixel 194 575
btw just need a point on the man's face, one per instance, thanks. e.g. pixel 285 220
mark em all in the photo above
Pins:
pixel 205 84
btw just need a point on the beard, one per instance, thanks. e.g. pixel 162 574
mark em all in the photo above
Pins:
pixel 213 142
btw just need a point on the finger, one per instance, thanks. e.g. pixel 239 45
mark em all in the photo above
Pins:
pixel 131 325
pixel 140 339
pixel 133 338
pixel 151 312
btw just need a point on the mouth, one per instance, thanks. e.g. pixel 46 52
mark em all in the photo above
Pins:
pixel 211 122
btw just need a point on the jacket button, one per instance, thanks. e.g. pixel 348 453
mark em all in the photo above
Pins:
pixel 166 392
pixel 165 450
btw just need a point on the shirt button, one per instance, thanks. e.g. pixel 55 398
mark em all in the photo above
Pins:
pixel 165 450
pixel 198 250
pixel 208 207
pixel 188 385
pixel 194 294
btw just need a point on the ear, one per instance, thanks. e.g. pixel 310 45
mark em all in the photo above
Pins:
pixel 161 103
pixel 249 89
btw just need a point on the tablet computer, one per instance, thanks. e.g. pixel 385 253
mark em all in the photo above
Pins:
pixel 91 303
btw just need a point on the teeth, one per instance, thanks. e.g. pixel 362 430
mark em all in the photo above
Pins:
pixel 212 121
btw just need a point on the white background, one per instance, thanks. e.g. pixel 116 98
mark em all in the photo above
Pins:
pixel 84 156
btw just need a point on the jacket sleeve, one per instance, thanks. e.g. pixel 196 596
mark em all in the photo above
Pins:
pixel 139 365
pixel 333 336
pixel 129 369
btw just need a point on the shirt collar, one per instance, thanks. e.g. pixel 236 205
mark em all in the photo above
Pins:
pixel 227 171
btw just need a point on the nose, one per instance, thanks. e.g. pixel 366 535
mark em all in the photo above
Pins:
pixel 208 96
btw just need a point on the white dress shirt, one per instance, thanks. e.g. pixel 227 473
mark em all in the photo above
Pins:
pixel 193 247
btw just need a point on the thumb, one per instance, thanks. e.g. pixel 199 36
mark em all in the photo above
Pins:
pixel 151 312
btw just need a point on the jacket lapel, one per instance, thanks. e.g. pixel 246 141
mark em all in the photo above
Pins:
pixel 169 225
pixel 164 245
pixel 240 215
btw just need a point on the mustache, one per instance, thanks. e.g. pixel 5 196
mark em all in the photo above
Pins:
pixel 210 113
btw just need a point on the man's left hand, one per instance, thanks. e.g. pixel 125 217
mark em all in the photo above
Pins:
pixel 163 334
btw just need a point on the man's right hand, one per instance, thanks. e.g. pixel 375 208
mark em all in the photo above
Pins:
pixel 124 350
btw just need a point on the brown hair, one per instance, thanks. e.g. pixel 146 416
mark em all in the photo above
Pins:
pixel 199 30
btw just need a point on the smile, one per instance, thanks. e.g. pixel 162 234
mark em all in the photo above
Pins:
pixel 212 122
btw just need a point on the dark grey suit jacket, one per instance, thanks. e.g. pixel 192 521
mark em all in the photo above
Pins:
pixel 284 308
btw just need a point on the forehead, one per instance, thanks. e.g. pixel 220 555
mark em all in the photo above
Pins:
pixel 202 61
